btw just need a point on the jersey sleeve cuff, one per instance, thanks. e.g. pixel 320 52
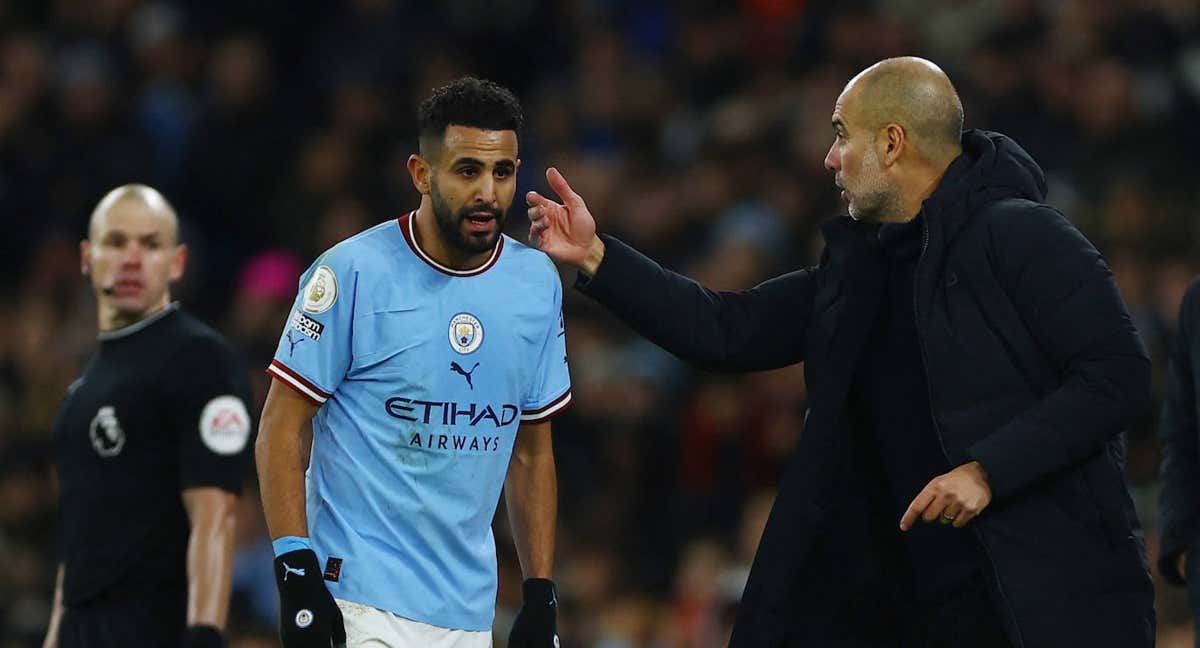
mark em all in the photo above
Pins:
pixel 288 544
pixel 549 411
pixel 292 379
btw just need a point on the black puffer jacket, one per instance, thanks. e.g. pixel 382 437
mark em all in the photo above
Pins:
pixel 1179 500
pixel 1034 370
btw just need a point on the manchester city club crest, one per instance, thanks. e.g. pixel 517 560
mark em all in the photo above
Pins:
pixel 466 333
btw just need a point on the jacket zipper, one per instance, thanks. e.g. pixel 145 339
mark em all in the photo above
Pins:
pixel 937 430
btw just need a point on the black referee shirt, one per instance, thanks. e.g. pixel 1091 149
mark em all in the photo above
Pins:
pixel 160 408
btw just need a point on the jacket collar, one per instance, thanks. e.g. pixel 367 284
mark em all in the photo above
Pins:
pixel 991 167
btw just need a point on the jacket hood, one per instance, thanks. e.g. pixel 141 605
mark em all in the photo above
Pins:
pixel 991 167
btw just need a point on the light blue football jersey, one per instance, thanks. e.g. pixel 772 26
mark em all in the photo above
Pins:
pixel 423 374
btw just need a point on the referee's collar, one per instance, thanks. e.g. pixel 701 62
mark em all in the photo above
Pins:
pixel 126 331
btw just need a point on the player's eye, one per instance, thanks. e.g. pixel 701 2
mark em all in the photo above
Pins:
pixel 467 172
pixel 503 172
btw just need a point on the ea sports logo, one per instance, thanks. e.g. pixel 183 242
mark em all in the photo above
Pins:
pixel 225 425
pixel 466 333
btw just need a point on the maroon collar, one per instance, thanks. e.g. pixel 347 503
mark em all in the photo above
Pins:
pixel 408 224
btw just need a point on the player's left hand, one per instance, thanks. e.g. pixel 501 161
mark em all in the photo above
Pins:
pixel 953 498
pixel 536 623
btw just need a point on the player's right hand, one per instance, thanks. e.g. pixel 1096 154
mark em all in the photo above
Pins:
pixel 566 231
pixel 308 615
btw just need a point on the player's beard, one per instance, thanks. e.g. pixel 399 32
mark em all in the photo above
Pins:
pixel 450 223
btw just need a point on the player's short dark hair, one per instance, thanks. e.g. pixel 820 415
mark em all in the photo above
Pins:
pixel 477 103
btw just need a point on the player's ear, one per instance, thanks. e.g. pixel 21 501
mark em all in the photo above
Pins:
pixel 420 170
pixel 179 262
pixel 85 258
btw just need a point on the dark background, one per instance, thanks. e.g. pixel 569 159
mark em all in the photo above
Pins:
pixel 695 130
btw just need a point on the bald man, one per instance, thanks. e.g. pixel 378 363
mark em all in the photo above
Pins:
pixel 971 369
pixel 151 449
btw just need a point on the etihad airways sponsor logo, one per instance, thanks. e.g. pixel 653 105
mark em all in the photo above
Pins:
pixel 454 442
pixel 451 413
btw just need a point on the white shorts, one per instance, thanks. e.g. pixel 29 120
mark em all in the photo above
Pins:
pixel 368 627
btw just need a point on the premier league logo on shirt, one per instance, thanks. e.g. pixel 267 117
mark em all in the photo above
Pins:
pixel 107 436
pixel 321 291
pixel 466 333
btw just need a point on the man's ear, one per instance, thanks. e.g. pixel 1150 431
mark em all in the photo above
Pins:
pixel 421 172
pixel 179 262
pixel 892 144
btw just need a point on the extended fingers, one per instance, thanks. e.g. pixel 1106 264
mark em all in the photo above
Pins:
pixel 942 501
pixel 935 508
pixel 559 184
pixel 916 508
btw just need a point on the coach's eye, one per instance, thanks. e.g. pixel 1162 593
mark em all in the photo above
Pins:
pixel 467 172
pixel 503 173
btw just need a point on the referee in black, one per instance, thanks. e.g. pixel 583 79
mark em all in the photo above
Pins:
pixel 151 448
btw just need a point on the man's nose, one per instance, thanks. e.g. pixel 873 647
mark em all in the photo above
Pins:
pixel 831 160
pixel 487 190
pixel 133 255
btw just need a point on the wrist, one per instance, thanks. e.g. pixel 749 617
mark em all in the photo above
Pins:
pixel 595 254
pixel 539 590
pixel 287 544
pixel 203 636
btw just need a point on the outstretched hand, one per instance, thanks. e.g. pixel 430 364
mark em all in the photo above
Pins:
pixel 566 231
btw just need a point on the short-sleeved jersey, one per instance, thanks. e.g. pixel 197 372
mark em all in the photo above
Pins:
pixel 160 408
pixel 423 374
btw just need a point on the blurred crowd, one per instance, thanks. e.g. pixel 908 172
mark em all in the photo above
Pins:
pixel 695 130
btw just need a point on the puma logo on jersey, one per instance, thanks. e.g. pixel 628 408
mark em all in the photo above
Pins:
pixel 454 366
pixel 288 570
pixel 293 341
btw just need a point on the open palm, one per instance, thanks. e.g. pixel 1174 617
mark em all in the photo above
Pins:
pixel 565 230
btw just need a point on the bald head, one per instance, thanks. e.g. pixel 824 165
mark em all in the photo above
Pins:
pixel 914 93
pixel 145 200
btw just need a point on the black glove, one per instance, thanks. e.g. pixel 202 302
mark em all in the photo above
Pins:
pixel 535 625
pixel 203 636
pixel 308 616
